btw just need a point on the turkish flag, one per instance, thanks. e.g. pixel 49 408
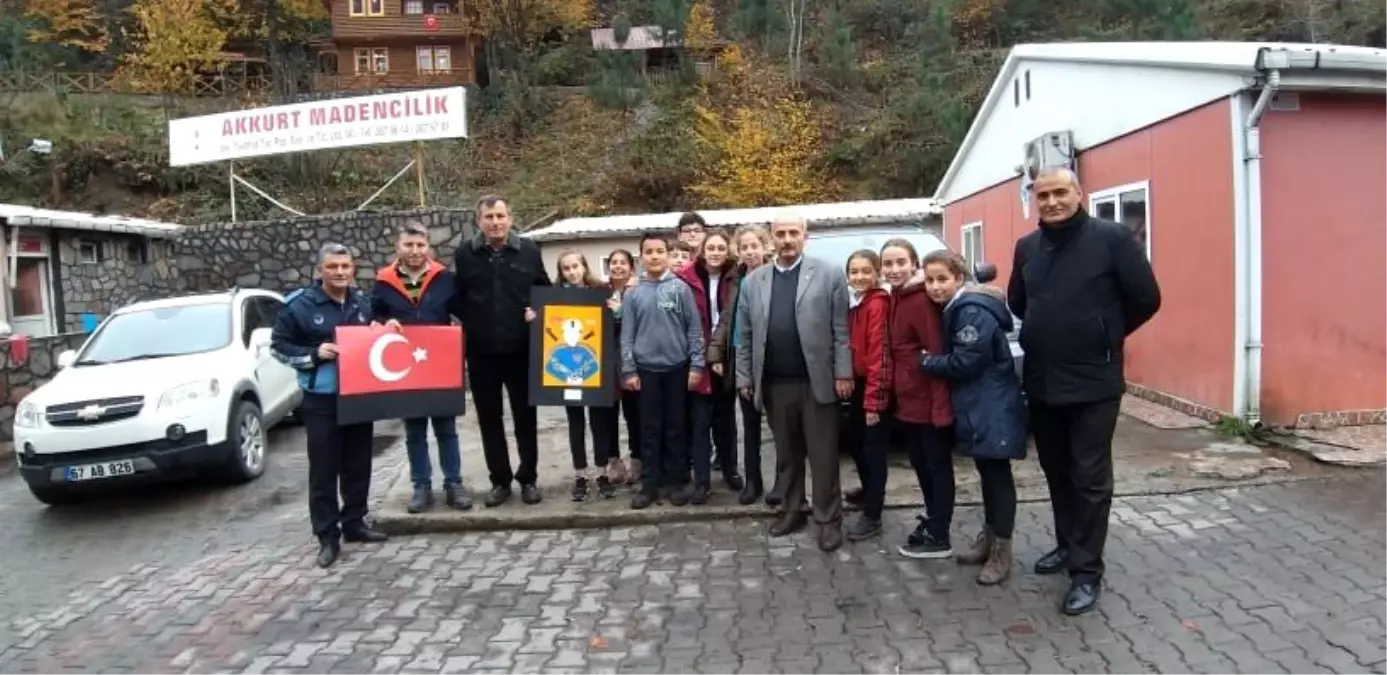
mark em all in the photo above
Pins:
pixel 387 375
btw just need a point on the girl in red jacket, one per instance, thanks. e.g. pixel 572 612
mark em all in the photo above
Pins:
pixel 866 436
pixel 922 401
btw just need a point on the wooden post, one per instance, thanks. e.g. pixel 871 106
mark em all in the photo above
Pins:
pixel 419 171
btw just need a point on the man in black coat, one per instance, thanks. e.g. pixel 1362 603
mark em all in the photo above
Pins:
pixel 493 274
pixel 1081 285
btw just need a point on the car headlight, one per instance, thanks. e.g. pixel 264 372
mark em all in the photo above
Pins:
pixel 28 415
pixel 189 392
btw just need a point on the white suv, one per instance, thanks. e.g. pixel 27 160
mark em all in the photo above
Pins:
pixel 162 388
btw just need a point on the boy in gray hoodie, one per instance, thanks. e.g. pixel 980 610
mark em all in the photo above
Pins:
pixel 662 358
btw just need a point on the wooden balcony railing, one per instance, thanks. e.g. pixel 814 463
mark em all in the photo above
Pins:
pixel 371 81
pixel 108 83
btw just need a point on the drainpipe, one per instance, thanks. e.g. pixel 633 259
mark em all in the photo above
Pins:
pixel 1252 165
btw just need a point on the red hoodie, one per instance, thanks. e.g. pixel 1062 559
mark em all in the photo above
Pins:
pixel 914 326
pixel 870 358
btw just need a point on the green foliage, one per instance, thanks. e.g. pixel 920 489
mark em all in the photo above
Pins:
pixel 618 84
pixel 570 64
pixel 837 49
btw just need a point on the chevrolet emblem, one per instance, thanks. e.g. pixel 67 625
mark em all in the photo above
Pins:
pixel 91 412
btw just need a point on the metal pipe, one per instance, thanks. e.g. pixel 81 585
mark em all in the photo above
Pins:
pixel 1252 165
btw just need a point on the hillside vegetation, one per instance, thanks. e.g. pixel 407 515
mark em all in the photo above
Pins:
pixel 790 100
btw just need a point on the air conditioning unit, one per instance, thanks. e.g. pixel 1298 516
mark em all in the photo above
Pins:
pixel 1051 149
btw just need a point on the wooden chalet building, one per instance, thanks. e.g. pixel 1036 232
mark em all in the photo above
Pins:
pixel 398 44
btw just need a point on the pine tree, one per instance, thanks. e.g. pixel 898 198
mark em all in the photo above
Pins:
pixel 618 83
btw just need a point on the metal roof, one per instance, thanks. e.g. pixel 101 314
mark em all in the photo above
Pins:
pixel 25 216
pixel 641 37
pixel 834 214
pixel 1237 58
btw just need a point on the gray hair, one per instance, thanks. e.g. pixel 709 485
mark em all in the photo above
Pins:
pixel 1065 172
pixel 330 249
pixel 790 218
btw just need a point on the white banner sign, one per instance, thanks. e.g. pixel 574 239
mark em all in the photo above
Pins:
pixel 301 127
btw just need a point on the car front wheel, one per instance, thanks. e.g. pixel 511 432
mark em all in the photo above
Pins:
pixel 246 436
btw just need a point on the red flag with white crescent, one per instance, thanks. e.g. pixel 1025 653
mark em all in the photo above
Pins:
pixel 382 374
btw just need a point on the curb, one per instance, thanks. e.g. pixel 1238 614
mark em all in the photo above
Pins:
pixel 514 517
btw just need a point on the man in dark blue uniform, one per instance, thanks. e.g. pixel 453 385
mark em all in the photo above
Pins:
pixel 339 456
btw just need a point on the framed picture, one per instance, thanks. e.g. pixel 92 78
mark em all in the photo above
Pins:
pixel 573 347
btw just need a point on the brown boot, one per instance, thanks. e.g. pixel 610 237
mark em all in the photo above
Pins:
pixel 978 552
pixel 998 565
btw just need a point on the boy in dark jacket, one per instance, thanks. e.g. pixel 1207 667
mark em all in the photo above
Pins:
pixel 989 413
pixel 417 290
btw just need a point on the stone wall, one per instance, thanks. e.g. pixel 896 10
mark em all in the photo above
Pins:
pixel 278 254
pixel 19 376
pixel 275 254
pixel 129 266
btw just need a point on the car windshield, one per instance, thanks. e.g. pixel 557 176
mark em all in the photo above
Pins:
pixel 835 247
pixel 159 332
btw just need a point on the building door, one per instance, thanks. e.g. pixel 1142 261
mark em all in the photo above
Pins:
pixel 31 303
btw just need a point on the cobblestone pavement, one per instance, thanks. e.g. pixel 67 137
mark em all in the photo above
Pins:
pixel 1272 578
pixel 45 552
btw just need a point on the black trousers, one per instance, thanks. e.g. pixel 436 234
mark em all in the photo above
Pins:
pixel 868 447
pixel 339 461
pixel 602 421
pixel 853 436
pixel 724 425
pixel 931 455
pixel 998 495
pixel 628 405
pixel 489 373
pixel 664 447
pixel 751 442
pixel 1074 443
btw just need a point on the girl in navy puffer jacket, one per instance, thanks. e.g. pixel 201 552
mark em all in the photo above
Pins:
pixel 989 411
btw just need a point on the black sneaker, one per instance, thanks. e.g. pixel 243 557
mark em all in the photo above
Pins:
pixel 864 527
pixel 699 496
pixel 923 545
pixel 580 489
pixel 679 497
pixel 642 500
pixel 530 494
pixel 499 495
pixel 605 487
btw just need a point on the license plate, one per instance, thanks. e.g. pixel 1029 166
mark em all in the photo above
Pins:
pixel 112 469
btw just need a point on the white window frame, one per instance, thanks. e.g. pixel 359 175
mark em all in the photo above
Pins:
pixel 409 6
pixel 447 9
pixel 433 54
pixel 372 66
pixel 963 248
pixel 1113 195
pixel 96 256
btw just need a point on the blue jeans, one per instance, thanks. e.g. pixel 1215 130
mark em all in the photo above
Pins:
pixel 445 430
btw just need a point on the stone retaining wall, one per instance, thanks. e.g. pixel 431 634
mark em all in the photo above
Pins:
pixel 19 376
pixel 278 254
pixel 275 254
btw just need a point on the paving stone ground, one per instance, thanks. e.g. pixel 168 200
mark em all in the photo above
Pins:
pixel 1274 578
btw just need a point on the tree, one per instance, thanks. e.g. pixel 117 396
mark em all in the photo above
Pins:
pixel 700 29
pixel 794 14
pixel 837 50
pixel 618 83
pixel 515 28
pixel 175 40
pixel 71 23
pixel 761 144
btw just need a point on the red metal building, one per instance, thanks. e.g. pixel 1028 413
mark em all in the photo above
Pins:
pixel 1255 175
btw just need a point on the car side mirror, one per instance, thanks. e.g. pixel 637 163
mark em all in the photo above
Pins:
pixel 66 358
pixel 985 272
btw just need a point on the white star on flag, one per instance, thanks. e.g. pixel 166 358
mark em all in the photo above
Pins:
pixel 420 354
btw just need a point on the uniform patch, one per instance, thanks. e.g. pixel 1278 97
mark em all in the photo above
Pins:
pixel 967 335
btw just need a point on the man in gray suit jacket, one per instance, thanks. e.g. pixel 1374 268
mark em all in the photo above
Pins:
pixel 794 316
